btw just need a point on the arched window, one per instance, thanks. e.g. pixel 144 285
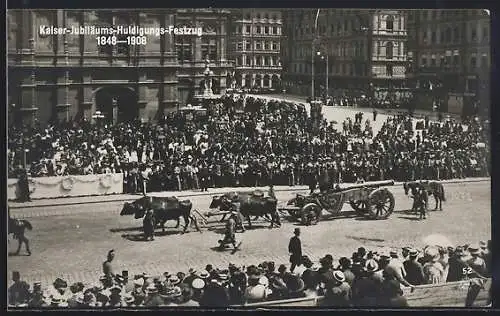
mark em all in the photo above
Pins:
pixel 389 23
pixel 266 16
pixel 389 50
pixel 258 16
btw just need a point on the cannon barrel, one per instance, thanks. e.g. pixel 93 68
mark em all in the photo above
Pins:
pixel 369 184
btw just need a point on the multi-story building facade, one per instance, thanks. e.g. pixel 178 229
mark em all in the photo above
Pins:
pixel 365 49
pixel 450 53
pixel 255 48
pixel 67 77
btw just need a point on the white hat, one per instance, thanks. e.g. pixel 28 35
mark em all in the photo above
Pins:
pixel 139 282
pixel 198 284
pixel 339 276
pixel 263 280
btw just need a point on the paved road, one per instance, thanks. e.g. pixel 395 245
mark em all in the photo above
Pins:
pixel 72 241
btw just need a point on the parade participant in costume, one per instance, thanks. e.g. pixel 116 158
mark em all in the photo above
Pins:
pixel 149 224
pixel 230 233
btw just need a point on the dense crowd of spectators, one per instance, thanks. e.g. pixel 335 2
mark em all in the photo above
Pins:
pixel 271 141
pixel 367 279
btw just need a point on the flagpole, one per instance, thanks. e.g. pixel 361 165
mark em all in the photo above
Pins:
pixel 313 53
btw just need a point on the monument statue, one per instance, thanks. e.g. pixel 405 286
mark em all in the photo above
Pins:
pixel 208 77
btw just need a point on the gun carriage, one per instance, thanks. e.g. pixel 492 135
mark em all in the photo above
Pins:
pixel 370 199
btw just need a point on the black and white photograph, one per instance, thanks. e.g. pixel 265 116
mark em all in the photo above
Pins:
pixel 248 158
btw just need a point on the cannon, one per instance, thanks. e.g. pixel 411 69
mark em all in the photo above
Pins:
pixel 370 199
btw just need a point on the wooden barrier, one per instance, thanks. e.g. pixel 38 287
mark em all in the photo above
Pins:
pixel 452 294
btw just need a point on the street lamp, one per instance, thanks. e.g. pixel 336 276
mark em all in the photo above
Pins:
pixel 325 58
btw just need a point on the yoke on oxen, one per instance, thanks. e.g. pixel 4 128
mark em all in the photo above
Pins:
pixel 164 208
pixel 253 203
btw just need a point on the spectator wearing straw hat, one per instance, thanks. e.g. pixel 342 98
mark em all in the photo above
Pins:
pixel 395 268
pixel 476 263
pixel 338 292
pixel 187 297
pixel 414 270
pixel 345 265
pixel 170 296
pixel 198 287
pixel 255 292
pixel 433 270
pixel 367 288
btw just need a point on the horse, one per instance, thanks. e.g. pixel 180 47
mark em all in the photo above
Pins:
pixel 17 228
pixel 420 200
pixel 433 188
pixel 250 205
pixel 164 209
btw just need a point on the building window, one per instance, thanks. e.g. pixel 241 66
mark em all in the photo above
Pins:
pixel 423 62
pixel 442 61
pixel 448 35
pixel 448 60
pixel 266 16
pixel 183 48
pixel 258 16
pixel 346 26
pixel 274 17
pixel 388 69
pixel 122 48
pixel 433 37
pixel 343 69
pixel 258 45
pixel 247 29
pixel 389 50
pixel 473 34
pixel 486 33
pixel 266 45
pixel 484 61
pixel 442 36
pixel 456 60
pixel 247 16
pixel 266 30
pixel 456 34
pixel 248 46
pixel 239 46
pixel 424 36
pixel 238 61
pixel 275 46
pixel 473 63
pixel 433 61
pixel 339 28
pixel 389 23
pixel 248 61
pixel 259 30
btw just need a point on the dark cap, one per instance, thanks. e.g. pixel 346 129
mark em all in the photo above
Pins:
pixel 296 231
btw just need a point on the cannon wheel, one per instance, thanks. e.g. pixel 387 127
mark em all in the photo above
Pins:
pixel 295 213
pixel 361 207
pixel 310 209
pixel 381 204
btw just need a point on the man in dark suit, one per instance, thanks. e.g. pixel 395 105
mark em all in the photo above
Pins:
pixel 295 250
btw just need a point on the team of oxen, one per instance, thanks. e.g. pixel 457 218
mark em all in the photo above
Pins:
pixel 250 204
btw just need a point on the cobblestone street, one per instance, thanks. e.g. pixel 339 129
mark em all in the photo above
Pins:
pixel 72 241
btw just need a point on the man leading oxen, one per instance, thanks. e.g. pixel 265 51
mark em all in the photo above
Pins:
pixel 160 209
pixel 433 188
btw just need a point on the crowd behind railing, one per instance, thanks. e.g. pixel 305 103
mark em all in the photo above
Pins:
pixel 366 279
pixel 271 141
